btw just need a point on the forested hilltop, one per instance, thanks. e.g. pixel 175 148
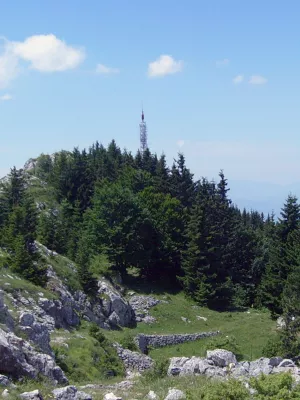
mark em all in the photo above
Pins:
pixel 113 212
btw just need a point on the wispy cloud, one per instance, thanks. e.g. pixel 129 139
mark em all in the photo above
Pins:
pixel 6 97
pixel 238 79
pixel 222 63
pixel 257 80
pixel 104 70
pixel 164 65
pixel 180 143
pixel 44 53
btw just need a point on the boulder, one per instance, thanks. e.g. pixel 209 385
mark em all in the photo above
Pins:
pixel 34 395
pixel 18 359
pixel 221 357
pixel 70 393
pixel 5 393
pixel 280 323
pixel 175 394
pixel 152 395
pixel 286 363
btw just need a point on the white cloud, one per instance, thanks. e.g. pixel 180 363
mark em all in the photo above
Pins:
pixel 238 79
pixel 6 97
pixel 8 68
pixel 164 65
pixel 257 80
pixel 222 63
pixel 47 53
pixel 104 70
pixel 180 143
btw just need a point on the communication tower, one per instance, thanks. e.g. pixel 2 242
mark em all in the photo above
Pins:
pixel 143 134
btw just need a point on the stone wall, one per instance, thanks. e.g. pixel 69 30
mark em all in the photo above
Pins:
pixel 146 341
pixel 132 360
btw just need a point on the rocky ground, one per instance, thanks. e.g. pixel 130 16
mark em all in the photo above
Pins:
pixel 28 318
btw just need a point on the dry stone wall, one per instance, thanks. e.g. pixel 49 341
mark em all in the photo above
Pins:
pixel 146 341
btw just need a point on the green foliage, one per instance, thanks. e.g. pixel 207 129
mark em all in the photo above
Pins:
pixel 158 371
pixel 127 341
pixel 275 387
pixel 89 357
pixel 230 390
pixel 273 347
pixel 100 266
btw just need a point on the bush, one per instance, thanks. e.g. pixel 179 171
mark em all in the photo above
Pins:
pixel 89 358
pixel 96 333
pixel 273 347
pixel 159 371
pixel 128 342
pixel 100 266
pixel 230 390
pixel 275 387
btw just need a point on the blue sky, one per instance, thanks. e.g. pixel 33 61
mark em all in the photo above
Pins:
pixel 219 81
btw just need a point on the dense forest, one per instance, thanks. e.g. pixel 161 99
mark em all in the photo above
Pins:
pixel 137 213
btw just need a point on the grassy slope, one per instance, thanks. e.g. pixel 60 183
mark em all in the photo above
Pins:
pixel 251 329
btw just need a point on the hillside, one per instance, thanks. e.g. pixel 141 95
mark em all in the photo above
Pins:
pixel 113 265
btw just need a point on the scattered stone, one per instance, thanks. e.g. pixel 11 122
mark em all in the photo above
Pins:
pixel 5 393
pixel 201 318
pixel 175 394
pixel 65 393
pixel 34 395
pixel 184 319
pixel 280 323
pixel 152 395
pixel 111 396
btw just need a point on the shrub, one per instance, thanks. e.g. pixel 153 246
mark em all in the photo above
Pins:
pixel 159 371
pixel 230 390
pixel 128 342
pixel 273 347
pixel 275 387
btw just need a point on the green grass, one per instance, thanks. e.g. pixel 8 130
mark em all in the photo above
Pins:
pixel 84 358
pixel 248 331
pixel 64 269
pixel 12 283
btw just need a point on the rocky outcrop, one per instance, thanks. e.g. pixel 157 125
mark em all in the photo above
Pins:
pixel 115 308
pixel 222 363
pixel 18 358
pixel 36 332
pixel 146 341
pixel 132 360
pixel 5 317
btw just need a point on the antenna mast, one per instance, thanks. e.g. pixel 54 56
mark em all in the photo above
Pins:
pixel 143 134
